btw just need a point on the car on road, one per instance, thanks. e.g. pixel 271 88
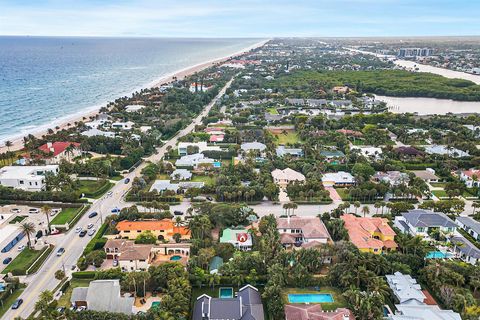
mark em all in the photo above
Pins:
pixel 15 210
pixel 127 180
pixel 82 233
pixel 61 310
pixel 91 232
pixel 33 210
pixel 60 252
pixel 78 229
pixel 93 214
pixel 21 248
pixel 17 304
pixel 177 213
pixel 115 263
pixel 115 210
pixel 109 193
pixel 7 260
pixel 209 198
pixel 90 226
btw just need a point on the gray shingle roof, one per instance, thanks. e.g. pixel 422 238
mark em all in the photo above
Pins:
pixel 469 222
pixel 424 218
pixel 466 247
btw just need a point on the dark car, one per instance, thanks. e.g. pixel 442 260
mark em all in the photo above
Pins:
pixel 209 198
pixel 7 260
pixel 82 233
pixel 115 210
pixel 93 214
pixel 61 310
pixel 177 213
pixel 17 304
pixel 127 180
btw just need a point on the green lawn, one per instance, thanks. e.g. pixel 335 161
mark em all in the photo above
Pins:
pixel 64 300
pixel 7 304
pixel 66 215
pixel 343 193
pixel 24 260
pixel 17 219
pixel 208 180
pixel 272 110
pixel 438 184
pixel 338 299
pixel 162 176
pixel 94 188
pixel 440 193
pixel 288 138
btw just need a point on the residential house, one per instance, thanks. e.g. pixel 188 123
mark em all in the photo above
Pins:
pixel 123 125
pixel 302 231
pixel 350 133
pixel 422 312
pixel 185 148
pixel 427 175
pixel 470 225
pixel 55 152
pixel 338 179
pixel 284 177
pixel 130 256
pixel 28 178
pixel 134 107
pixel 341 89
pixel 420 222
pixel 370 234
pixel 295 102
pixel 369 152
pixel 408 152
pixel 405 289
pixel 471 178
pixel 103 295
pixel 253 146
pixel 181 174
pixel 246 305
pixel 194 160
pixel 465 250
pixel 445 150
pixel 96 132
pixel 333 156
pixel 163 185
pixel 283 151
pixel 241 239
pixel 162 229
pixel 394 178
pixel 315 312
pixel 216 138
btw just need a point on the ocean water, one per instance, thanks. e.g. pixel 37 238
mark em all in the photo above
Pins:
pixel 43 80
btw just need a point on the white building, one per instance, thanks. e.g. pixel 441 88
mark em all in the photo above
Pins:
pixel 255 146
pixel 444 150
pixel 340 178
pixel 405 288
pixel 130 256
pixel 28 178
pixel 96 132
pixel 123 125
pixel 181 174
pixel 202 146
pixel 369 152
pixel 465 250
pixel 134 107
pixel 471 226
pixel 471 178
pixel 193 160
pixel 284 177
pixel 419 222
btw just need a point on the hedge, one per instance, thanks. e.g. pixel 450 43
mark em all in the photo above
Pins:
pixel 84 275
pixel 78 216
pixel 100 191
pixel 34 267
pixel 97 242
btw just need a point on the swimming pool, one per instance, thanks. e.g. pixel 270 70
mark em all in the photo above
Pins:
pixel 310 298
pixel 155 304
pixel 225 293
pixel 438 255
pixel 175 258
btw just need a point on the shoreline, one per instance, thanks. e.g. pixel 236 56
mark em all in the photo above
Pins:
pixel 62 122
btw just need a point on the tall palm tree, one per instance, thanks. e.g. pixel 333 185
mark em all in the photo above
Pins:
pixel 28 228
pixel 47 211
pixel 365 210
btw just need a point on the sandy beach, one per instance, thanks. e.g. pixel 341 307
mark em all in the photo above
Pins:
pixel 68 121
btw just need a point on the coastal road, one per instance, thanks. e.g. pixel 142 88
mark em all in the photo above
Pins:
pixel 44 279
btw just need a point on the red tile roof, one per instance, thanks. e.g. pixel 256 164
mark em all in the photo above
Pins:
pixel 360 232
pixel 152 225
pixel 57 147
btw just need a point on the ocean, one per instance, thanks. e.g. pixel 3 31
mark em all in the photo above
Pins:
pixel 44 80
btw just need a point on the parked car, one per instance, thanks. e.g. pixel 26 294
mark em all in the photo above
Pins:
pixel 33 210
pixel 55 231
pixel 93 214
pixel 73 308
pixel 109 193
pixel 7 260
pixel 127 180
pixel 115 210
pixel 82 308
pixel 209 198
pixel 21 248
pixel 115 263
pixel 91 232
pixel 90 226
pixel 17 304
pixel 15 210
pixel 82 233
pixel 60 252
pixel 177 213
pixel 78 229
pixel 55 211
pixel 61 310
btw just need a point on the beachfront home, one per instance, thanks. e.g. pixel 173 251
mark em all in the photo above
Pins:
pixel 96 132
pixel 427 175
pixel 420 222
pixel 185 148
pixel 181 174
pixel 123 125
pixel 134 107
pixel 393 178
pixel 283 151
pixel 130 256
pixel 55 152
pixel 338 179
pixel 28 178
pixel 465 250
pixel 302 231
pixel 241 239
pixel 444 150
pixel 103 295
pixel 470 225
pixel 284 177
pixel 370 234
pixel 315 312
pixel 162 229
pixel 471 178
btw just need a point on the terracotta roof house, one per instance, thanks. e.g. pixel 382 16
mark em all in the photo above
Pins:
pixel 315 312
pixel 370 234
pixel 302 231
pixel 471 178
pixel 408 151
pixel 162 229
pixel 130 256
pixel 57 151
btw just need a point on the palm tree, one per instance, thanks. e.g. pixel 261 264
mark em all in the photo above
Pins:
pixel 357 205
pixel 380 286
pixel 28 228
pixel 377 206
pixel 365 210
pixel 47 211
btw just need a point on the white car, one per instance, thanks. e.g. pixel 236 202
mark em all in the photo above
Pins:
pixel 81 308
pixel 33 210
pixel 15 210
pixel 78 229
pixel 90 226
pixel 109 193
pixel 91 232
pixel 55 211
pixel 21 248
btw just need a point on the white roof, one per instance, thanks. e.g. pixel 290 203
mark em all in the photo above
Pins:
pixel 405 288
pixel 368 151
pixel 30 172
pixel 253 146
pixel 95 132
pixel 338 177
pixel 134 107
pixel 287 174
pixel 161 185
pixel 182 173
pixel 442 150
pixel 423 312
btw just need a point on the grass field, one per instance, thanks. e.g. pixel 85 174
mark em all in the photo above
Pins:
pixel 288 138
pixel 66 215
pixel 7 304
pixel 338 300
pixel 272 110
pixel 94 188
pixel 206 179
pixel 440 193
pixel 24 260
pixel 64 300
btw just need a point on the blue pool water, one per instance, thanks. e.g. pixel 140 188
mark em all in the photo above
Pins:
pixel 175 258
pixel 437 255
pixel 217 164
pixel 225 293
pixel 310 298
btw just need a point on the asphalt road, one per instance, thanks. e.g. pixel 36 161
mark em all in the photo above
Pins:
pixel 44 279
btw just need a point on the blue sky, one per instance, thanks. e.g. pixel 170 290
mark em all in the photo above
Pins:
pixel 249 18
